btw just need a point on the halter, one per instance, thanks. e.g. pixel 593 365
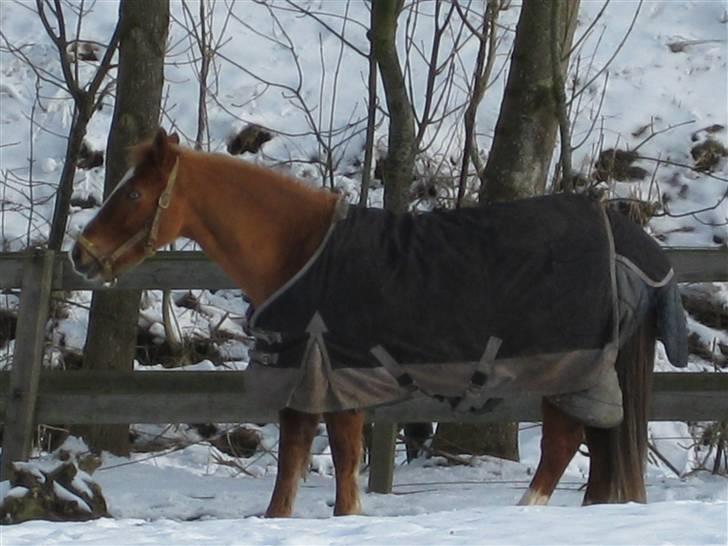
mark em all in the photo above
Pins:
pixel 150 232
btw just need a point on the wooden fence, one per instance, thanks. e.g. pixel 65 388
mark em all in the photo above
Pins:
pixel 93 397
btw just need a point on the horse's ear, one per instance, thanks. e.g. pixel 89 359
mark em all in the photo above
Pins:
pixel 174 138
pixel 160 146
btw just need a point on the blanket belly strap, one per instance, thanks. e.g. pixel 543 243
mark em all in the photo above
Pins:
pixel 403 378
pixel 267 336
pixel 471 400
pixel 273 348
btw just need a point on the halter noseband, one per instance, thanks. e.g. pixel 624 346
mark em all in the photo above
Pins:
pixel 150 232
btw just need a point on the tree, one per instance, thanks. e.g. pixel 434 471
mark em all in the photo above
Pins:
pixel 518 163
pixel 112 331
pixel 399 163
pixel 403 141
pixel 86 99
pixel 525 133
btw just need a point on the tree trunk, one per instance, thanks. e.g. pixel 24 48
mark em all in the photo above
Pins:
pixel 65 184
pixel 398 166
pixel 399 163
pixel 525 133
pixel 112 332
pixel 517 167
pixel 496 439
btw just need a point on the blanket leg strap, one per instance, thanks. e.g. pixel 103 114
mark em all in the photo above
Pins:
pixel 472 398
pixel 388 362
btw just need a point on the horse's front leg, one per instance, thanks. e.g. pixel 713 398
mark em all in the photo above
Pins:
pixel 294 447
pixel 345 439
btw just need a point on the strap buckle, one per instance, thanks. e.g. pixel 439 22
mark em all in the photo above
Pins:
pixel 264 358
pixel 472 398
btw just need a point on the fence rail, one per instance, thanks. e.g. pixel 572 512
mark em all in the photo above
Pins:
pixel 193 270
pixel 153 397
pixel 107 397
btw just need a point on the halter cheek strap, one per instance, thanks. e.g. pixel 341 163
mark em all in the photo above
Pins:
pixel 150 232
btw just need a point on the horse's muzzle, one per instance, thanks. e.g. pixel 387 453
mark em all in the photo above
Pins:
pixel 84 263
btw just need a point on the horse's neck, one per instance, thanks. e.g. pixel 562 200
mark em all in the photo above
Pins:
pixel 259 226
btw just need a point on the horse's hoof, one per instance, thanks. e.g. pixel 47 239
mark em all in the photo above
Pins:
pixel 351 511
pixel 276 514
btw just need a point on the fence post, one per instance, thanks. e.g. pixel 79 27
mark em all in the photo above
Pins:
pixel 27 360
pixel 381 472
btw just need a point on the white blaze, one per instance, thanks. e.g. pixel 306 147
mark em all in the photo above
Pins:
pixel 124 179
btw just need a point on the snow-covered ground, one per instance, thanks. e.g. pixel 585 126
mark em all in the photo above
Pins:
pixel 186 497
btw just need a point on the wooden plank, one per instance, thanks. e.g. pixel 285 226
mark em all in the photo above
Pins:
pixel 170 270
pixel 112 397
pixel 87 396
pixel 165 270
pixel 27 360
pixel 699 264
pixel 381 471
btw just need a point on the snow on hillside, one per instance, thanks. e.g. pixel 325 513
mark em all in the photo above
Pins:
pixel 184 497
pixel 649 85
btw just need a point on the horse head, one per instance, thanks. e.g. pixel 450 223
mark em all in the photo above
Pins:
pixel 138 217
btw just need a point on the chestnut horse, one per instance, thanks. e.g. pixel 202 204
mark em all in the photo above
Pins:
pixel 261 228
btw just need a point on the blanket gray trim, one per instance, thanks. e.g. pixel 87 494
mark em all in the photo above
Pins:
pixel 340 212
pixel 645 278
pixel 316 388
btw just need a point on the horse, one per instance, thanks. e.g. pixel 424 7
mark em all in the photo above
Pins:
pixel 262 228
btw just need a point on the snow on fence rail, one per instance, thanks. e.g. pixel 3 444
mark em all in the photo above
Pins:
pixel 94 397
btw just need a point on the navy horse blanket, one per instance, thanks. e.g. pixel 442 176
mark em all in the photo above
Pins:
pixel 526 297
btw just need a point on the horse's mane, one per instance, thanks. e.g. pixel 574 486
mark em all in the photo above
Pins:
pixel 140 153
pixel 137 153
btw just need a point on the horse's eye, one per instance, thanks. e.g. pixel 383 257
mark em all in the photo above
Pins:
pixel 133 194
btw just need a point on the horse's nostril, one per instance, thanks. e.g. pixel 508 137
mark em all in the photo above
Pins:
pixel 76 254
pixel 77 260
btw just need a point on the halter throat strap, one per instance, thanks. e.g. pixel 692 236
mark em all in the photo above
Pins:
pixel 150 232
pixel 162 204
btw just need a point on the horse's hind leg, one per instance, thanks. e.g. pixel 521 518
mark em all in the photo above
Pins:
pixel 294 447
pixel 345 439
pixel 600 487
pixel 560 439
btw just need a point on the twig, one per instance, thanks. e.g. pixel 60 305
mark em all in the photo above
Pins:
pixel 430 451
pixel 481 74
pixel 653 134
pixel 332 30
pixel 371 122
pixel 684 165
pixel 588 30
pixel 557 80
pixel 614 54
pixel 662 458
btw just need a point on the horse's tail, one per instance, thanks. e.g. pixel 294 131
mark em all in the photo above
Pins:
pixel 621 452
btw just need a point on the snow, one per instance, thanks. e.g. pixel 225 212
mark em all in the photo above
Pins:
pixel 649 524
pixel 66 495
pixel 188 496
pixel 184 497
pixel 12 492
